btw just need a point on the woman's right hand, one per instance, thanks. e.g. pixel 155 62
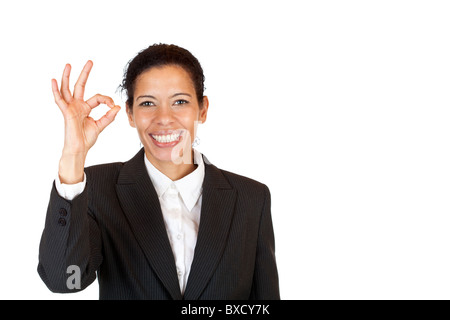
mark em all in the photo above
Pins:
pixel 81 130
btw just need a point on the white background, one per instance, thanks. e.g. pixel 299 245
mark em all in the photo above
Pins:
pixel 340 107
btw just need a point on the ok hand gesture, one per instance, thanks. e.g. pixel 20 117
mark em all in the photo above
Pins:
pixel 81 130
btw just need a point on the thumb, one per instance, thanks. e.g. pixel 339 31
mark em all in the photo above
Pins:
pixel 109 117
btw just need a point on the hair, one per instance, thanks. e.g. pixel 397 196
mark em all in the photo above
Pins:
pixel 159 55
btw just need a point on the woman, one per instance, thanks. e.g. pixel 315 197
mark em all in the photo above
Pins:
pixel 166 224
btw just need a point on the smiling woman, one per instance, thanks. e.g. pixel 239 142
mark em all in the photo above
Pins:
pixel 165 114
pixel 166 224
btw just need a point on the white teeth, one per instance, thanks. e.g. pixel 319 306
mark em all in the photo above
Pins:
pixel 166 138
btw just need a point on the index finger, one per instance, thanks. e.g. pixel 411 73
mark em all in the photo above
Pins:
pixel 78 92
pixel 98 99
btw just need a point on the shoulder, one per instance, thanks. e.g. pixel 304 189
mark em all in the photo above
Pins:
pixel 240 181
pixel 244 186
pixel 252 197
pixel 103 173
pixel 113 169
pixel 105 168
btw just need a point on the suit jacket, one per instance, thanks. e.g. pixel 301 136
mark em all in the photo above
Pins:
pixel 115 231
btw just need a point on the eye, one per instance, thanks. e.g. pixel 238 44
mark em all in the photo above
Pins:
pixel 147 104
pixel 180 102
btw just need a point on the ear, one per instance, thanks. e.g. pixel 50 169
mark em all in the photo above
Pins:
pixel 130 116
pixel 204 110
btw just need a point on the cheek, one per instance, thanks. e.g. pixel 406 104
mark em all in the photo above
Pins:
pixel 142 120
pixel 189 121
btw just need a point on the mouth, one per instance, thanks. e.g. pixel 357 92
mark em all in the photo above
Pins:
pixel 168 139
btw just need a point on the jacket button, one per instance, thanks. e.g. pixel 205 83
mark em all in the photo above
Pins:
pixel 63 212
pixel 62 222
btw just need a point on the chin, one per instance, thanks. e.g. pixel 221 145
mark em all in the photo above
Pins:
pixel 162 155
pixel 177 155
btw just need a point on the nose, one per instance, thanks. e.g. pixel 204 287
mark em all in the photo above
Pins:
pixel 164 116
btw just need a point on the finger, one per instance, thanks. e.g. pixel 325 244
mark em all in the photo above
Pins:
pixel 57 95
pixel 65 91
pixel 99 99
pixel 78 92
pixel 109 117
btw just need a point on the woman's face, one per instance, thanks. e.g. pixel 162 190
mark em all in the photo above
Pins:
pixel 166 113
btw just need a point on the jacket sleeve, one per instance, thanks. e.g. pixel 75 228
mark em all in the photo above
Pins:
pixel 70 191
pixel 265 279
pixel 70 247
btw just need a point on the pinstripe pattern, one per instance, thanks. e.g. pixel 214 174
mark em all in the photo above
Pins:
pixel 114 230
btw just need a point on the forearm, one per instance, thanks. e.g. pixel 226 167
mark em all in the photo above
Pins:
pixel 70 238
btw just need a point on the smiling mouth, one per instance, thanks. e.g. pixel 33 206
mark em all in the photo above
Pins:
pixel 166 138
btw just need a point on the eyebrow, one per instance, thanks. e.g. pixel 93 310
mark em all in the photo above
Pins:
pixel 145 96
pixel 152 97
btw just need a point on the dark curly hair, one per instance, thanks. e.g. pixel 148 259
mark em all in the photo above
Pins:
pixel 158 55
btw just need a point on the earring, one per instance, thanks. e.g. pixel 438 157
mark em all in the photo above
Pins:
pixel 196 142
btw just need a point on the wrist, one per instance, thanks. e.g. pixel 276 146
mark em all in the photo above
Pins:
pixel 71 168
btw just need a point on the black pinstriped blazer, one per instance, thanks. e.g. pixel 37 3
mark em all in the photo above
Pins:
pixel 115 230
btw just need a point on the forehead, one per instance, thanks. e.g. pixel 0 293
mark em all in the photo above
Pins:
pixel 164 79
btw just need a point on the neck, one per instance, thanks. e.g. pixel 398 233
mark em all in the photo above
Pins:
pixel 171 170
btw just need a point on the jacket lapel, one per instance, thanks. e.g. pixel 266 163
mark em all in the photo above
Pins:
pixel 143 211
pixel 216 214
